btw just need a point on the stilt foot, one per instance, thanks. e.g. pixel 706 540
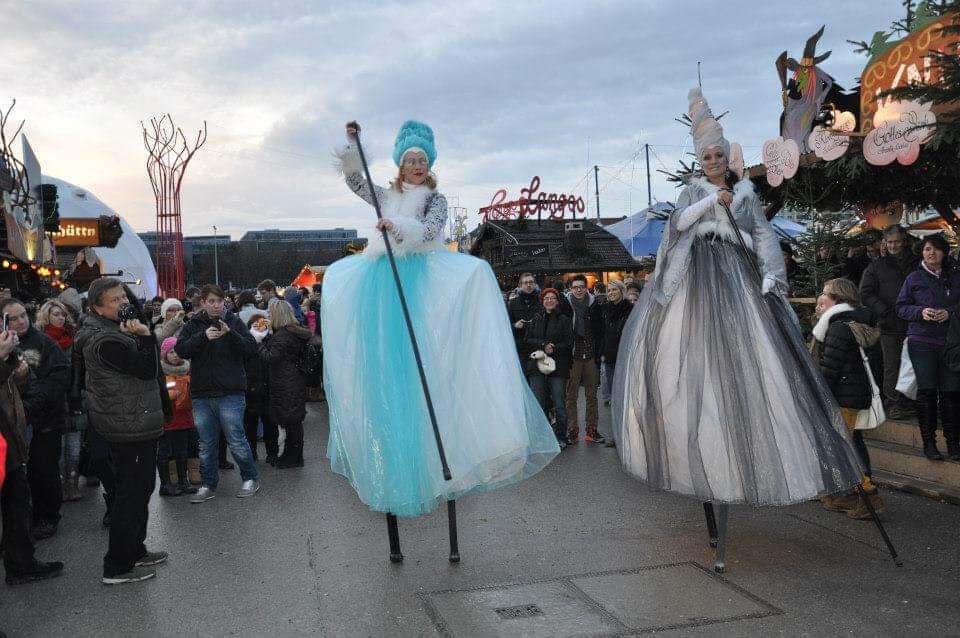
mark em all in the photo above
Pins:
pixel 394 534
pixel 452 521
pixel 711 523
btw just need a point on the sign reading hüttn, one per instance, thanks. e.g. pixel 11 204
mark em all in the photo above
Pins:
pixel 77 232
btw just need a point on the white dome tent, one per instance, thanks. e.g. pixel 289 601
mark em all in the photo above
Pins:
pixel 130 254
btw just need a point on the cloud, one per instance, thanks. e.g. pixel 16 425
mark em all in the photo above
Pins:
pixel 511 89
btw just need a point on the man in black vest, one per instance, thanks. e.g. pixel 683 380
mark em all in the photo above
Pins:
pixel 122 395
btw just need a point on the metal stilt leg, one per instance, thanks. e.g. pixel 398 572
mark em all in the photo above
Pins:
pixel 452 521
pixel 711 523
pixel 865 499
pixel 394 534
pixel 719 564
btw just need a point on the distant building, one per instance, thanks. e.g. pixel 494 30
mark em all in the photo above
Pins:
pixel 259 254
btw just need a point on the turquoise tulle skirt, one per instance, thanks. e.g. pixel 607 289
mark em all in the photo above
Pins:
pixel 494 432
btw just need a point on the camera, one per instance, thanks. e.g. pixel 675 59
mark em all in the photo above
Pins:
pixel 127 312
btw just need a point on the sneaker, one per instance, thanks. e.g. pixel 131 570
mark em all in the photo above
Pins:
pixel 594 437
pixel 39 571
pixel 249 488
pixel 610 443
pixel 135 575
pixel 203 494
pixel 152 558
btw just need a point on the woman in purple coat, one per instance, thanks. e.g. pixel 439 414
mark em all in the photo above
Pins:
pixel 928 299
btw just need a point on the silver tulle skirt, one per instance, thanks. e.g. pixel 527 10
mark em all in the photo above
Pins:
pixel 716 397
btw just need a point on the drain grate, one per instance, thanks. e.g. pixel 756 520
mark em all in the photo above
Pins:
pixel 519 611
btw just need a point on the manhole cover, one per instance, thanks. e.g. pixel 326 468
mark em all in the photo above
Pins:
pixel 641 600
pixel 520 611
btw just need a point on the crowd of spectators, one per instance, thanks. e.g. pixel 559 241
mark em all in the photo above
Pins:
pixel 104 390
pixel 567 336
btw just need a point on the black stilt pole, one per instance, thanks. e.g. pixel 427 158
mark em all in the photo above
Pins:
pixel 410 331
pixel 865 499
pixel 711 523
pixel 452 522
pixel 394 534
pixel 719 562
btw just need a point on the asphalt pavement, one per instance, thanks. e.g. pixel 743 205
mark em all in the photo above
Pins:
pixel 580 549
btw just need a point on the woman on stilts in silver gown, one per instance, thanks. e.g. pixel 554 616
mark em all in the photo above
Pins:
pixel 715 395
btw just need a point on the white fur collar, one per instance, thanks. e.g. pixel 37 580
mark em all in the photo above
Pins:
pixel 820 330
pixel 740 189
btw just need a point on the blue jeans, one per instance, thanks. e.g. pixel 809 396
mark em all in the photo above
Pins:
pixel 211 415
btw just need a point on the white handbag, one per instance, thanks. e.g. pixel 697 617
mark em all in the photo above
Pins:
pixel 873 416
pixel 907 380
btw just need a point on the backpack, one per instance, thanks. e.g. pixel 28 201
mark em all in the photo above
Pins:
pixel 311 358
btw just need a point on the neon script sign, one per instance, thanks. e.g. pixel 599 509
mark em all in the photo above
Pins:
pixel 532 202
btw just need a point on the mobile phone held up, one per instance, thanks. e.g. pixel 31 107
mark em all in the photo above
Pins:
pixel 6 322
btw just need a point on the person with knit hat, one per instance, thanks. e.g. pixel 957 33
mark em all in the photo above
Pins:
pixel 715 395
pixel 171 319
pixel 174 448
pixel 381 439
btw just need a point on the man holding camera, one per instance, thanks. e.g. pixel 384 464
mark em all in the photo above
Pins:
pixel 125 408
pixel 17 546
pixel 217 344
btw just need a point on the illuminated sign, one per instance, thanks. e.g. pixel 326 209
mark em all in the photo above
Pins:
pixel 532 203
pixel 77 232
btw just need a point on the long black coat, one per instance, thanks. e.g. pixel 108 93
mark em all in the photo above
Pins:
pixel 880 286
pixel 841 363
pixel 524 307
pixel 288 385
pixel 614 317
pixel 549 327
pixel 46 399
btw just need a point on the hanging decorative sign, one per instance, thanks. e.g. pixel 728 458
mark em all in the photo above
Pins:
pixel 907 61
pixel 77 232
pixel 829 145
pixel 782 159
pixel 532 203
pixel 899 128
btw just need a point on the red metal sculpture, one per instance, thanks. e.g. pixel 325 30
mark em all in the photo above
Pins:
pixel 168 154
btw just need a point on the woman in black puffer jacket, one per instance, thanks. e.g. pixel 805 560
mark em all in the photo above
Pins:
pixel 257 409
pixel 614 313
pixel 845 326
pixel 550 331
pixel 282 351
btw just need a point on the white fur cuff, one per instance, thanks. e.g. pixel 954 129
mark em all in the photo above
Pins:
pixel 347 159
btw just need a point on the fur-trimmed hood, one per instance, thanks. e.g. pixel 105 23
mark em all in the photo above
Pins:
pixel 865 334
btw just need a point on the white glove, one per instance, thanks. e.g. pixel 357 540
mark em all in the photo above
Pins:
pixel 258 335
pixel 770 284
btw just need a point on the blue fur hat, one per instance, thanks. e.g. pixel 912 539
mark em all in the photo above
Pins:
pixel 414 134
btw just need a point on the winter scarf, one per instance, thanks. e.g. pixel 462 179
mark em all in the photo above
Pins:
pixel 580 309
pixel 63 336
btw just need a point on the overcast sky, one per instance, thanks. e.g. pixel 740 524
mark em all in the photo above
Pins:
pixel 511 89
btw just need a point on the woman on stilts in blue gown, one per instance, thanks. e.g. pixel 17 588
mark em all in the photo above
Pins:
pixel 493 430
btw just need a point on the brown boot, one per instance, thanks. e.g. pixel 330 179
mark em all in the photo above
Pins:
pixel 842 503
pixel 861 513
pixel 172 468
pixel 71 484
pixel 193 471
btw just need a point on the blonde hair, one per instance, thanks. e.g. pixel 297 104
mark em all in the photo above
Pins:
pixel 843 290
pixel 281 314
pixel 616 283
pixel 43 315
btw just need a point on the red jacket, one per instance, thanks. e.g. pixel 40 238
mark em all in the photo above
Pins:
pixel 179 389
